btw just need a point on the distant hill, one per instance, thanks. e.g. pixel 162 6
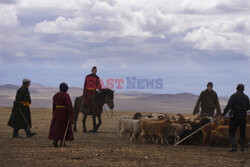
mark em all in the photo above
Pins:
pixel 126 101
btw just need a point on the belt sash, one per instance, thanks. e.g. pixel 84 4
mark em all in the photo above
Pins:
pixel 25 103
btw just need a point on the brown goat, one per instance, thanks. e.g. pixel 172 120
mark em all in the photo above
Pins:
pixel 220 136
pixel 154 128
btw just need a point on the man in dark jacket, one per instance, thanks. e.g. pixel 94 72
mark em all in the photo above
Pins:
pixel 238 104
pixel 208 101
pixel 20 117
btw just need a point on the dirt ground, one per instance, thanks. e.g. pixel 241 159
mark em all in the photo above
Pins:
pixel 102 149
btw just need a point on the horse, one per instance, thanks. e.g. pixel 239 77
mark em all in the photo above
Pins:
pixel 104 96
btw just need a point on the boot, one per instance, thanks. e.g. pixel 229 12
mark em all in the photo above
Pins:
pixel 15 133
pixel 242 145
pixel 29 133
pixel 233 149
pixel 55 143
pixel 234 145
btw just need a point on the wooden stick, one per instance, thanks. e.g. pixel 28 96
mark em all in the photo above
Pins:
pixel 25 120
pixel 64 137
pixel 194 132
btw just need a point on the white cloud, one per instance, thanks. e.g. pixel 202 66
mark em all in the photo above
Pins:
pixel 61 24
pixel 215 6
pixel 199 5
pixel 88 64
pixel 93 25
pixel 20 54
pixel 205 39
pixel 8 18
pixel 225 33
pixel 61 4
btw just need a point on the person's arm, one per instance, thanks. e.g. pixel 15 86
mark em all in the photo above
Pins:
pixel 27 96
pixel 54 105
pixel 69 107
pixel 248 104
pixel 229 105
pixel 19 99
pixel 197 106
pixel 217 105
pixel 85 87
pixel 99 86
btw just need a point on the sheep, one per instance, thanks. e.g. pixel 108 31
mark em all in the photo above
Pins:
pixel 128 126
pixel 120 122
pixel 174 118
pixel 176 130
pixel 154 128
pixel 206 131
pixel 167 116
pixel 197 137
pixel 138 115
pixel 150 115
pixel 248 118
pixel 181 119
pixel 137 129
pixel 160 116
pixel 220 136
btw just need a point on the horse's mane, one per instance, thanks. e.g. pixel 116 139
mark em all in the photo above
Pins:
pixel 103 93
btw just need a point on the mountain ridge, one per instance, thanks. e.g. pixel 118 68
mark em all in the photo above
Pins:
pixel 126 101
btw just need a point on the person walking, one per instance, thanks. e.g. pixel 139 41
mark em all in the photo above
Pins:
pixel 208 102
pixel 238 105
pixel 60 128
pixel 20 117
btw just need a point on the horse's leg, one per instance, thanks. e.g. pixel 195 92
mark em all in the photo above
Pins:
pixel 99 121
pixel 94 124
pixel 76 114
pixel 84 123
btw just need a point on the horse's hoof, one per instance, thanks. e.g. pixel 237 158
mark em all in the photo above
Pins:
pixel 85 131
pixel 92 131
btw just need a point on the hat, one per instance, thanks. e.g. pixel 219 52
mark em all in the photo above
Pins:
pixel 63 87
pixel 25 80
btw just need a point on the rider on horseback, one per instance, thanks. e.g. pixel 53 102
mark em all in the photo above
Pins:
pixel 92 83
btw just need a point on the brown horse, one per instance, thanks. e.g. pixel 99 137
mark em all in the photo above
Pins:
pixel 104 96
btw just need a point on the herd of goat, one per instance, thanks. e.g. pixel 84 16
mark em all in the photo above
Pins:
pixel 169 129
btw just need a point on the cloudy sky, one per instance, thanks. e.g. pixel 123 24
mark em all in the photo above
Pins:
pixel 185 42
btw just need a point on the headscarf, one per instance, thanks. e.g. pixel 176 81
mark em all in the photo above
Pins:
pixel 63 87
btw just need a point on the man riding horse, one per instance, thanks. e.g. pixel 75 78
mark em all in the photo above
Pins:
pixel 92 101
pixel 92 82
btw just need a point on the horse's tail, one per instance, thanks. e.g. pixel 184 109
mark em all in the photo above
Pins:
pixel 77 106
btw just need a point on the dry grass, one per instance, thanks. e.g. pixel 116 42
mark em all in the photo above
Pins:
pixel 102 149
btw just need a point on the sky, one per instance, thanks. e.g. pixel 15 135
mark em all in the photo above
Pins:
pixel 187 43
